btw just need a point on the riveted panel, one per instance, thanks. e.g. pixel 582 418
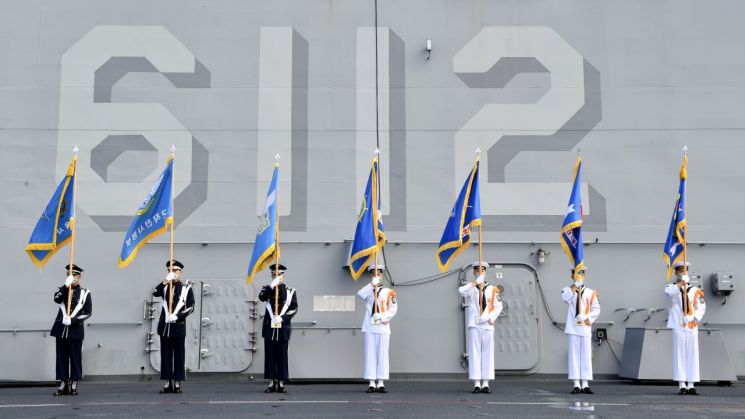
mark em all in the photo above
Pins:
pixel 225 322
pixel 516 332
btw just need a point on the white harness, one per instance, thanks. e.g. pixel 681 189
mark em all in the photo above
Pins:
pixel 288 300
pixel 181 299
pixel 275 324
pixel 81 301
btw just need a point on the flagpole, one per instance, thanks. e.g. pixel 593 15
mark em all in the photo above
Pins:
pixel 481 253
pixel 581 216
pixel 276 241
pixel 173 222
pixel 685 227
pixel 72 224
pixel 376 208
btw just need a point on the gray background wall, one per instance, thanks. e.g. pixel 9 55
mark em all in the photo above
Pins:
pixel 233 83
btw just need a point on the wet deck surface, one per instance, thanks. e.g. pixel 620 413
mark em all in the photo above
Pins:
pixel 511 397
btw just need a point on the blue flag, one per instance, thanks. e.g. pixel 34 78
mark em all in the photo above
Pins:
pixel 267 233
pixel 54 228
pixel 466 213
pixel 369 237
pixel 153 216
pixel 571 229
pixel 676 240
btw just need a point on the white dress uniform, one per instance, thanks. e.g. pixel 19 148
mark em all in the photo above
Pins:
pixel 481 317
pixel 580 318
pixel 687 310
pixel 377 334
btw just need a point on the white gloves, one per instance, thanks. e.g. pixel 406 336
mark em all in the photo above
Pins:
pixel 66 320
pixel 170 277
pixel 578 284
pixel 274 283
pixel 480 280
pixel 580 317
pixel 685 278
pixel 278 319
pixel 375 281
pixel 376 317
pixel 484 318
pixel 688 319
pixel 171 318
pixel 68 280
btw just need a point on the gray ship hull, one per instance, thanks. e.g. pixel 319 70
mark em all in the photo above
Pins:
pixel 232 84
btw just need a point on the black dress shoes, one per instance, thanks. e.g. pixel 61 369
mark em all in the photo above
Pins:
pixel 588 390
pixel 63 390
pixel 476 389
pixel 683 391
pixel 576 390
pixel 692 392
pixel 382 389
pixel 485 390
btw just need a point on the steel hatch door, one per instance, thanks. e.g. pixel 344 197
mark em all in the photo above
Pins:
pixel 227 325
pixel 516 341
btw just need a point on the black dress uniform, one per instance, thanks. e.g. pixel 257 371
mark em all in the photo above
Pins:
pixel 173 335
pixel 69 338
pixel 276 340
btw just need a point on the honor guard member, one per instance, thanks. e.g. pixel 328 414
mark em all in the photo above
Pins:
pixel 172 326
pixel 583 310
pixel 687 310
pixel 281 307
pixel 69 331
pixel 380 307
pixel 483 306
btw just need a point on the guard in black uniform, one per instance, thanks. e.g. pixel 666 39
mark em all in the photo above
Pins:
pixel 69 331
pixel 277 328
pixel 172 327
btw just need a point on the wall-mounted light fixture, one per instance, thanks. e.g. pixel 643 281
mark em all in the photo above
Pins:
pixel 428 48
pixel 542 254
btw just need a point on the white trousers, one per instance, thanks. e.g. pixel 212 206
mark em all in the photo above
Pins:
pixel 685 356
pixel 480 354
pixel 376 355
pixel 580 357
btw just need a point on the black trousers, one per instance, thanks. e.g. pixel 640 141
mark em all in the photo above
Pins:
pixel 69 361
pixel 275 359
pixel 172 358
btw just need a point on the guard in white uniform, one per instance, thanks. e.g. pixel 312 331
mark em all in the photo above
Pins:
pixel 380 307
pixel 687 310
pixel 483 306
pixel 583 310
